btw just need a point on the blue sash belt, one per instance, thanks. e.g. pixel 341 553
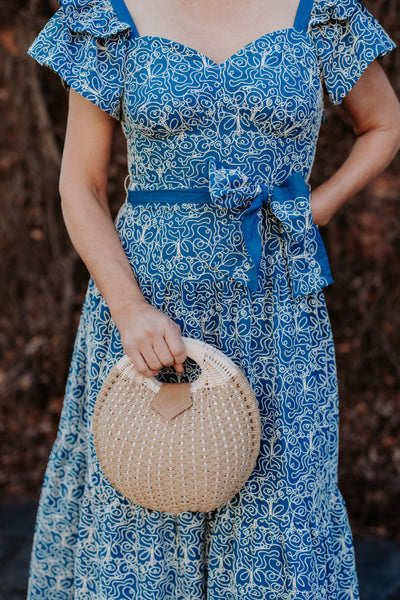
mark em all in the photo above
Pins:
pixel 306 258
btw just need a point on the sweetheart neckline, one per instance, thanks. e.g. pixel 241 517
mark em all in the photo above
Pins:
pixel 205 56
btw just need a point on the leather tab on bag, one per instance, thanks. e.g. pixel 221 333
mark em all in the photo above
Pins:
pixel 172 399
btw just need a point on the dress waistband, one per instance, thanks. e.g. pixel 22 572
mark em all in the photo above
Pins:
pixel 288 203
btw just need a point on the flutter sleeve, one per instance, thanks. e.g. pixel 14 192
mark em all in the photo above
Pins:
pixel 347 39
pixel 85 43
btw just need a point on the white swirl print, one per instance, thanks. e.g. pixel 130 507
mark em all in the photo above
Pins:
pixel 246 131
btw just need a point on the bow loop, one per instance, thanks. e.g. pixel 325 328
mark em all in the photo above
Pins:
pixel 290 205
pixel 230 188
pixel 307 260
pixel 305 254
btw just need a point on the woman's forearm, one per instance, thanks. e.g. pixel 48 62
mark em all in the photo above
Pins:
pixel 374 111
pixel 95 238
pixel 149 337
pixel 370 155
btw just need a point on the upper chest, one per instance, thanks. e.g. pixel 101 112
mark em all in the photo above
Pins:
pixel 216 28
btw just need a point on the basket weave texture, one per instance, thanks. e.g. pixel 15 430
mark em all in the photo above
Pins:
pixel 196 460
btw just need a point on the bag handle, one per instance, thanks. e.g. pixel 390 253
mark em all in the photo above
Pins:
pixel 174 398
pixel 203 354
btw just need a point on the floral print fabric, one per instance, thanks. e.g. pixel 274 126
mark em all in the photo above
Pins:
pixel 218 229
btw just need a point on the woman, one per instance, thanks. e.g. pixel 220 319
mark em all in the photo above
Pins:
pixel 221 104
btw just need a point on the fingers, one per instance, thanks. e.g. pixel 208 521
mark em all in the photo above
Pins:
pixel 154 356
pixel 162 346
pixel 141 365
pixel 173 339
pixel 161 353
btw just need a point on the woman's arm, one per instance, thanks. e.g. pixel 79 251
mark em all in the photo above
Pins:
pixel 150 338
pixel 375 112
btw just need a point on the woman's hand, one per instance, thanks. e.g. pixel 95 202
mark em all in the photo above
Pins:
pixel 321 208
pixel 150 338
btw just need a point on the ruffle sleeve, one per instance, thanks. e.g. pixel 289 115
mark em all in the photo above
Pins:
pixel 85 43
pixel 347 39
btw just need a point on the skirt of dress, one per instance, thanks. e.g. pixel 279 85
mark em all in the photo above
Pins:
pixel 285 535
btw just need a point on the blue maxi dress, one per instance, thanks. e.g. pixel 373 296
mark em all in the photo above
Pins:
pixel 218 229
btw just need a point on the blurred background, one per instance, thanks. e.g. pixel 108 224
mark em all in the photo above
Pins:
pixel 43 283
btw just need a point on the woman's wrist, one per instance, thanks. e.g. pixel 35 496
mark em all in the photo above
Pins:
pixel 119 310
pixel 321 213
pixel 324 203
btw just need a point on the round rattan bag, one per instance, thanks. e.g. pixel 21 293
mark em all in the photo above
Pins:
pixel 178 446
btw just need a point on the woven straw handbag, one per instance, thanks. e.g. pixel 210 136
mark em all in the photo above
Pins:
pixel 178 446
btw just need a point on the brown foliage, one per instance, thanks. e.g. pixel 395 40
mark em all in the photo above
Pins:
pixel 43 282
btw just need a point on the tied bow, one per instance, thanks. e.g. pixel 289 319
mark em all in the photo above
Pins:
pixel 306 259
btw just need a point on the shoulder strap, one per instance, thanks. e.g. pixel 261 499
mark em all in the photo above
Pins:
pixel 303 14
pixel 124 15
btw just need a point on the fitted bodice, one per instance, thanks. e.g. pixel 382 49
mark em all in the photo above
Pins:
pixel 259 110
